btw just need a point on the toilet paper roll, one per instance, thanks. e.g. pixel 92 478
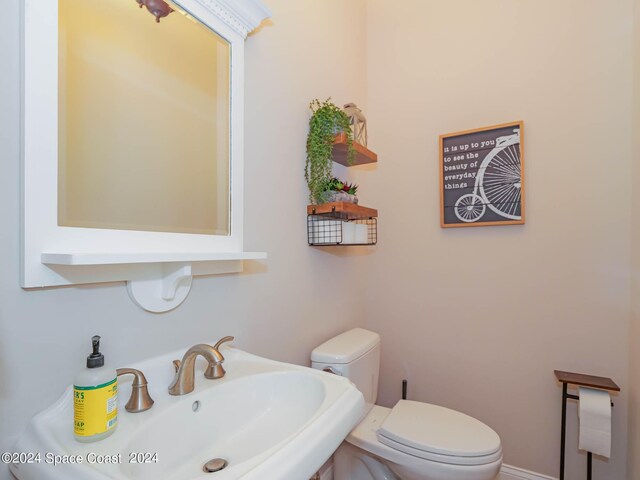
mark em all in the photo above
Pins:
pixel 595 421
pixel 361 233
pixel 348 232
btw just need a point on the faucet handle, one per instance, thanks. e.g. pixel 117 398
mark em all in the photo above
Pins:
pixel 140 399
pixel 223 340
pixel 176 365
pixel 215 371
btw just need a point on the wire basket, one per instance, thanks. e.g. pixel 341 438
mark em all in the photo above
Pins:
pixel 329 230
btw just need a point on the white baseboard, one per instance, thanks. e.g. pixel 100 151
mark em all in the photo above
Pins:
pixel 507 472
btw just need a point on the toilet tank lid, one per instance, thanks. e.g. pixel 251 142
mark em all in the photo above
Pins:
pixel 346 347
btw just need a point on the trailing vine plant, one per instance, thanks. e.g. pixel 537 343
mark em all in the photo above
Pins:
pixel 326 121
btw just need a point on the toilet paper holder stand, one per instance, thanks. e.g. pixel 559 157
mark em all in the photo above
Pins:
pixel 580 380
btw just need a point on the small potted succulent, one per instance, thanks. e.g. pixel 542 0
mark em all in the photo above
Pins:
pixel 337 190
pixel 326 121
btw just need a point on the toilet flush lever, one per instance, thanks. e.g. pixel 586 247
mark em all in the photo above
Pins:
pixel 331 370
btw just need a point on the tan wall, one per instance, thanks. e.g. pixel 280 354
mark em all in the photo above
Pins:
pixel 477 319
pixel 634 337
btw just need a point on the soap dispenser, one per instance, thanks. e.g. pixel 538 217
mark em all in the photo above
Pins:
pixel 95 398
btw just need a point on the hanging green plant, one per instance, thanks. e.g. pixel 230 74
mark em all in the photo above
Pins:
pixel 327 121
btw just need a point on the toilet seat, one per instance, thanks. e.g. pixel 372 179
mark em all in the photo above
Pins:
pixel 439 434
pixel 365 436
pixel 440 458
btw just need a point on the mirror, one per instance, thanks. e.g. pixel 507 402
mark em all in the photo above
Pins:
pixel 143 120
pixel 132 143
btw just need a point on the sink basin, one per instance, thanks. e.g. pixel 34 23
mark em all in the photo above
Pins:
pixel 236 421
pixel 266 419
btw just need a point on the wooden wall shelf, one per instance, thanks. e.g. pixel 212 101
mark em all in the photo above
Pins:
pixel 363 154
pixel 342 210
pixel 579 379
pixel 344 223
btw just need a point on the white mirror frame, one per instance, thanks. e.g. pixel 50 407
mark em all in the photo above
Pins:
pixel 158 267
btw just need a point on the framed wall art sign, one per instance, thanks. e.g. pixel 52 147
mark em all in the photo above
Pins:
pixel 482 177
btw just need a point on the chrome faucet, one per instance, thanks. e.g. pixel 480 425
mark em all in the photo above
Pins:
pixel 183 382
pixel 140 400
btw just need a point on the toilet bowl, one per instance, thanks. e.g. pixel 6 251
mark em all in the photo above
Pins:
pixel 412 440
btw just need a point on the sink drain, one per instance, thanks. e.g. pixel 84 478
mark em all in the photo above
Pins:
pixel 214 465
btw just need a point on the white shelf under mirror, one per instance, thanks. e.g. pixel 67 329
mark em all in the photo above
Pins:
pixel 111 258
pixel 158 266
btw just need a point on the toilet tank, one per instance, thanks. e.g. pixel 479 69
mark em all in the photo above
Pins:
pixel 354 354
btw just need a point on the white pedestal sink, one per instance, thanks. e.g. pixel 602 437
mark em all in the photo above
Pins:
pixel 268 420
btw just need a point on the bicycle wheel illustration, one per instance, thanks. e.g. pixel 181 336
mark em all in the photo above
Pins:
pixel 500 181
pixel 498 184
pixel 469 208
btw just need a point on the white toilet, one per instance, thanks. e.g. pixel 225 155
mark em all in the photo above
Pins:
pixel 411 441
